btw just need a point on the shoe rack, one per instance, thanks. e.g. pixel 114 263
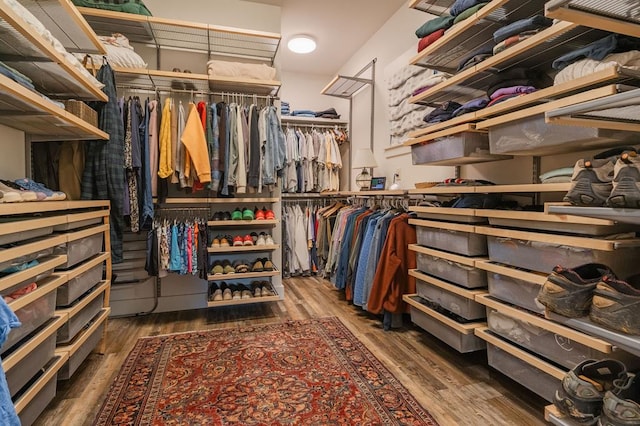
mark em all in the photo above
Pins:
pixel 177 292
pixel 533 347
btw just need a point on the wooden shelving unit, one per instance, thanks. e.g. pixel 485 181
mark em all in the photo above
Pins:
pixel 243 249
pixel 608 16
pixel 28 52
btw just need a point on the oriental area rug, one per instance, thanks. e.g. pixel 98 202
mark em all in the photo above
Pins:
pixel 311 372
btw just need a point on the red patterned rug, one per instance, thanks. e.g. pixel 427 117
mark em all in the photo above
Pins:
pixel 312 372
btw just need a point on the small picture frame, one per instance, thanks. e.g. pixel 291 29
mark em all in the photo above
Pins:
pixel 378 183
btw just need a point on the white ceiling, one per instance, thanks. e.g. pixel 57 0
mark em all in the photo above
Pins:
pixel 340 28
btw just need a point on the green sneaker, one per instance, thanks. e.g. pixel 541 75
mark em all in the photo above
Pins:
pixel 247 214
pixel 236 215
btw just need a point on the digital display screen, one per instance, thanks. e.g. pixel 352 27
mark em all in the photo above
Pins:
pixel 378 183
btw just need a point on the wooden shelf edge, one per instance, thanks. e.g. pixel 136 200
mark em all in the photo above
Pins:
pixel 35 389
pixel 239 249
pixel 460 328
pixel 243 301
pixel 451 288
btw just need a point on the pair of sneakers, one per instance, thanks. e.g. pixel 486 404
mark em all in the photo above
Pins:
pixel 264 239
pixel 222 241
pixel 239 241
pixel 223 267
pixel 611 178
pixel 264 214
pixel 242 214
pixel 262 264
pixel 593 289
pixel 262 289
pixel 600 392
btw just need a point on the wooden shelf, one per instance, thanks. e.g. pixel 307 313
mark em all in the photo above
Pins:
pixel 66 24
pixel 240 249
pixel 345 87
pixel 560 330
pixel 45 265
pixel 541 217
pixel 445 190
pixel 451 288
pixel 234 223
pixel 460 227
pixel 293 119
pixel 33 391
pixel 180 81
pixel 23 350
pixel 76 343
pixel 466 328
pixel 527 187
pixel 237 302
pixel 519 274
pixel 248 200
pixel 464 260
pixel 473 33
pixel 616 112
pixel 35 207
pixel 555 417
pixel 25 110
pixel 165 33
pixel 28 52
pixel 525 356
pixel 608 16
pixel 541 109
pixel 568 240
pixel 236 276
pixel 443 210
pixel 537 53
pixel 604 213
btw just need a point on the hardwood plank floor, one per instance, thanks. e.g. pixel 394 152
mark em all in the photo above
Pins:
pixel 456 389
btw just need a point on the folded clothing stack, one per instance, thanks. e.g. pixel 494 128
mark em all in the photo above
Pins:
pixel 284 108
pixel 515 82
pixel 533 23
pixel 328 113
pixel 443 113
pixel 475 57
pixel 610 51
pixel 432 30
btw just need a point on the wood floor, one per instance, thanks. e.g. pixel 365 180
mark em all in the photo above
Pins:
pixel 456 389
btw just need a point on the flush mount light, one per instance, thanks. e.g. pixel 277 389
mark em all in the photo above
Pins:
pixel 302 44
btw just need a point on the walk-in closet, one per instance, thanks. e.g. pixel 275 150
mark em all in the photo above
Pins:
pixel 287 212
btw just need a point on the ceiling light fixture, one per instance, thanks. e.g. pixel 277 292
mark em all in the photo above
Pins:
pixel 302 44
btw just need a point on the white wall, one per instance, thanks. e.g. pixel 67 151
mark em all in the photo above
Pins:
pixel 394 39
pixel 302 91
pixel 12 162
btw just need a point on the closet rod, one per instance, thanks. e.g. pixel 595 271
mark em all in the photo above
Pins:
pixel 317 126
pixel 196 92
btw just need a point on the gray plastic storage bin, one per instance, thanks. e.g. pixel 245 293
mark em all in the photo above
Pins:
pixel 554 347
pixel 81 354
pixel 78 224
pixel 81 249
pixel 459 305
pixel 533 136
pixel 530 377
pixel 515 291
pixel 41 276
pixel 465 147
pixel 77 322
pixel 542 257
pixel 27 367
pixel 27 258
pixel 36 406
pixel 31 316
pixel 465 243
pixel 24 235
pixel 463 275
pixel 459 341
pixel 77 286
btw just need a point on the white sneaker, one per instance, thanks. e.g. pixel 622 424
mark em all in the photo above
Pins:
pixel 261 240
pixel 269 240
pixel 10 195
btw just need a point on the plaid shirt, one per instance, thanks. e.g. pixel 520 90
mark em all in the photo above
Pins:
pixel 104 177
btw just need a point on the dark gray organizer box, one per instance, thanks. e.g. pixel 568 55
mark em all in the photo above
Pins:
pixel 36 406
